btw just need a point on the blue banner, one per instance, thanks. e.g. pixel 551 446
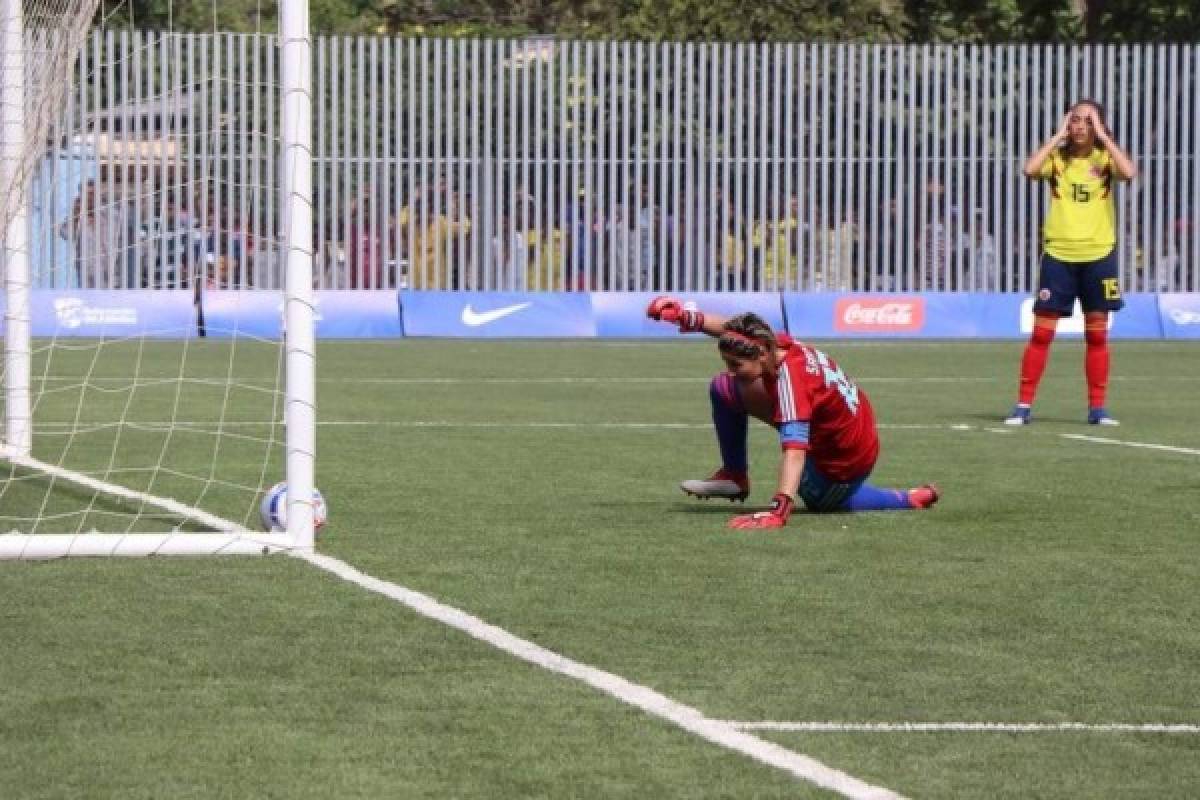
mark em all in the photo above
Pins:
pixel 1139 319
pixel 113 313
pixel 623 314
pixel 254 313
pixel 848 315
pixel 497 314
pixel 1180 315
pixel 340 314
pixel 948 315
pixel 357 314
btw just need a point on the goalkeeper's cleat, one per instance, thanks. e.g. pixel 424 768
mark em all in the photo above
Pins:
pixel 723 483
pixel 1020 416
pixel 924 496
pixel 1098 416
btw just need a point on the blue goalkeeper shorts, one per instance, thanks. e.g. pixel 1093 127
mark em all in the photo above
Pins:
pixel 822 493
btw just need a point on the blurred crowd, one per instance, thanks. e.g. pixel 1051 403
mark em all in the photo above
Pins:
pixel 435 238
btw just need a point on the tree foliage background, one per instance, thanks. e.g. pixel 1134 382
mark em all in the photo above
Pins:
pixel 700 20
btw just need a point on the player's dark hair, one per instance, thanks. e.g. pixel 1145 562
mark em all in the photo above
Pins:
pixel 1096 104
pixel 746 335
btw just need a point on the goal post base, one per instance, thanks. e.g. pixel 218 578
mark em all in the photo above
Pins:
pixel 18 546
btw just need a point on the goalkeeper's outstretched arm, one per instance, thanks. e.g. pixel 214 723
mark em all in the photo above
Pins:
pixel 689 320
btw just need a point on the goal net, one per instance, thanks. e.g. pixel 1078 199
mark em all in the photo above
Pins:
pixel 152 184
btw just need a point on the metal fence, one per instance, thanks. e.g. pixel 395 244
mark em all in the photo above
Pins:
pixel 569 165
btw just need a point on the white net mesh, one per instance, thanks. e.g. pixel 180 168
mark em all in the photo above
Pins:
pixel 144 182
pixel 41 48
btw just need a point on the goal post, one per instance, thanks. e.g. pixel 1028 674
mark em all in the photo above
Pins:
pixel 18 431
pixel 299 328
pixel 74 428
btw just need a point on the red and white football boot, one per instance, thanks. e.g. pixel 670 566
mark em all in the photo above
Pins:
pixel 723 484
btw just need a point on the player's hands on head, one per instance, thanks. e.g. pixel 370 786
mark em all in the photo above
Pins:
pixel 1093 118
pixel 1064 130
pixel 777 517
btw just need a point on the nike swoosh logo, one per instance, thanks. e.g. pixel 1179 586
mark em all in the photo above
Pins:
pixel 476 318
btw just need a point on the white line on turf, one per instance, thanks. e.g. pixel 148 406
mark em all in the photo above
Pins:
pixel 643 697
pixel 162 425
pixel 966 727
pixel 1143 445
pixel 695 379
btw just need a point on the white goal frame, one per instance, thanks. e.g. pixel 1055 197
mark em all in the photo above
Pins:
pixel 295 194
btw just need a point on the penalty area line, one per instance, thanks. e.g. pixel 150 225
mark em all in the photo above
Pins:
pixel 642 697
pixel 966 727
pixel 1167 448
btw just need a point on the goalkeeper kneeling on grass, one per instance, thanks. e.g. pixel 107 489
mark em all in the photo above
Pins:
pixel 825 422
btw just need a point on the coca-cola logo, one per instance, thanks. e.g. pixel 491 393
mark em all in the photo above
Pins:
pixel 870 315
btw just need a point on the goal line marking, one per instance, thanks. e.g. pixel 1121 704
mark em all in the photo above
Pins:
pixel 966 727
pixel 642 697
pixel 166 425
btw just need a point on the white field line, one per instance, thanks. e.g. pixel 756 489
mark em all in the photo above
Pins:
pixel 642 697
pixel 73 383
pixel 966 727
pixel 1168 448
pixel 122 384
pixel 163 425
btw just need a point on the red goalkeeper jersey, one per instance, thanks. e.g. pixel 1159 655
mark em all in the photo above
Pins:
pixel 819 409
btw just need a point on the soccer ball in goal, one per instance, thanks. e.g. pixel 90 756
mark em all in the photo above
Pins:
pixel 274 508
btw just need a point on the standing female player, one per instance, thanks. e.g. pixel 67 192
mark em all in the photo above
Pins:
pixel 825 422
pixel 1080 162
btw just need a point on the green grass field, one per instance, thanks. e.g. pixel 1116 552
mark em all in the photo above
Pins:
pixel 534 485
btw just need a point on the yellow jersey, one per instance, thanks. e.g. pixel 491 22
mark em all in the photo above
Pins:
pixel 1082 222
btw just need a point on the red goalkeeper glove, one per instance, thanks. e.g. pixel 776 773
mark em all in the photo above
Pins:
pixel 668 309
pixel 777 517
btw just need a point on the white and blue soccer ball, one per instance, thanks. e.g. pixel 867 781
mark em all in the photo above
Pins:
pixel 274 508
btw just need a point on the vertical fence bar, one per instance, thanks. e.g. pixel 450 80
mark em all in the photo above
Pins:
pixel 642 187
pixel 773 233
pixel 693 134
pixel 793 231
pixel 441 133
pixel 707 120
pixel 859 125
pixel 881 146
pixel 479 157
pixel 1164 186
pixel 1143 131
pixel 1192 283
pixel 486 211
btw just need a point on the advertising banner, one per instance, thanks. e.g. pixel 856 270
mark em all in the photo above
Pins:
pixel 113 313
pixel 623 314
pixel 254 313
pixel 946 315
pixel 357 314
pixel 847 315
pixel 340 313
pixel 1139 319
pixel 497 314
pixel 1179 315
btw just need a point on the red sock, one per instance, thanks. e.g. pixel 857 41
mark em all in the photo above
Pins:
pixel 1096 361
pixel 1033 363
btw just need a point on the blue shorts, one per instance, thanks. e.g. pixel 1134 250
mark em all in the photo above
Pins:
pixel 1093 282
pixel 822 493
